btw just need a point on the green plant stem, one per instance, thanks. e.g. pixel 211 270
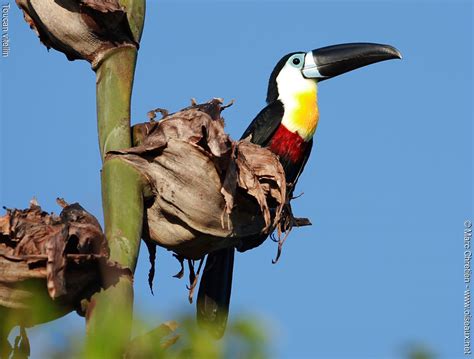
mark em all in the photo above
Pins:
pixel 135 16
pixel 114 90
pixel 109 314
pixel 122 196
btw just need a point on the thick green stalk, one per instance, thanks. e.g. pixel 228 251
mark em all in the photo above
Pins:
pixel 109 315
pixel 114 90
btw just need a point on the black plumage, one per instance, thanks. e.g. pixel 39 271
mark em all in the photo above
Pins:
pixel 265 124
pixel 319 64
pixel 216 284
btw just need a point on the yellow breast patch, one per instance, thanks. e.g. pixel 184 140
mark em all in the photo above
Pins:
pixel 302 114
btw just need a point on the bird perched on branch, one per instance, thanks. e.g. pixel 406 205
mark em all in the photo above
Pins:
pixel 286 126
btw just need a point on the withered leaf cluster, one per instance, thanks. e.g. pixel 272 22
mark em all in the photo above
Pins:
pixel 206 191
pixel 81 29
pixel 55 259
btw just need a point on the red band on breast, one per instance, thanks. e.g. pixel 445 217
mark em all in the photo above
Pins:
pixel 288 144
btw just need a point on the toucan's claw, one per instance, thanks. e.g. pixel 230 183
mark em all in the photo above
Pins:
pixel 180 274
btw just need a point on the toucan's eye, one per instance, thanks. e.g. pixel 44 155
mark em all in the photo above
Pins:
pixel 296 61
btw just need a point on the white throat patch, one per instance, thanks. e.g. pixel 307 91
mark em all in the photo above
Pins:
pixel 299 97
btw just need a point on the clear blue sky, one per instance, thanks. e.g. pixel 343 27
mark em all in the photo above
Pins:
pixel 388 186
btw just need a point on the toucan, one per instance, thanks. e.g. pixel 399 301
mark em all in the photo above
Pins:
pixel 286 126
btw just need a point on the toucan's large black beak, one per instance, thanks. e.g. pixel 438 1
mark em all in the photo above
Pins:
pixel 335 60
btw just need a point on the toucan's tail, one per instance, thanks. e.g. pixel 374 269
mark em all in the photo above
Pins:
pixel 214 291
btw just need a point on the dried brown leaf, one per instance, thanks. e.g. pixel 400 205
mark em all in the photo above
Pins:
pixel 81 29
pixel 102 5
pixel 5 225
pixel 209 192
pixel 56 265
pixel 66 254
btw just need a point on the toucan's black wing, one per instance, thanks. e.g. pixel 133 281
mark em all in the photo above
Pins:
pixel 293 171
pixel 265 124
